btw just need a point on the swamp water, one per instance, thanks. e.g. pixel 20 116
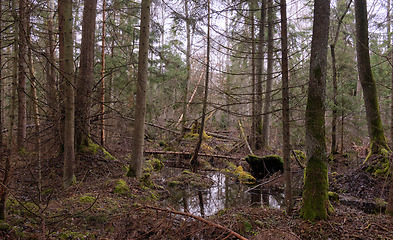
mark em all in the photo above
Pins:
pixel 222 194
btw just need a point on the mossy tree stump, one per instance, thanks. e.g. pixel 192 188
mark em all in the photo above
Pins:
pixel 263 166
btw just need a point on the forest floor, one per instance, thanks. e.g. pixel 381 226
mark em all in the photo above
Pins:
pixel 104 204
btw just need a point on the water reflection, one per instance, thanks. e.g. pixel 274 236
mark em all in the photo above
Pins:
pixel 223 194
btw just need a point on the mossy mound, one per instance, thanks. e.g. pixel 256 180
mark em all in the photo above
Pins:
pixel 153 164
pixel 241 175
pixel 378 165
pixel 264 166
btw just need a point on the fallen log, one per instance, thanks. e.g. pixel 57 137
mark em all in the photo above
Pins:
pixel 189 154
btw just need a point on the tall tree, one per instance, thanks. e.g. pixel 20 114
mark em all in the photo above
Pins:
pixel 374 122
pixel 102 103
pixel 254 127
pixel 269 80
pixel 334 146
pixel 194 159
pixel 259 76
pixel 86 74
pixel 135 169
pixel 66 71
pixel 22 60
pixel 316 203
pixel 285 107
pixel 51 70
pixel 14 73
pixel 188 63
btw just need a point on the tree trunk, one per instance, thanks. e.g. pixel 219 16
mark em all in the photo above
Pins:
pixel 269 81
pixel 188 65
pixel 1 74
pixel 253 79
pixel 137 159
pixel 285 108
pixel 52 102
pixel 22 59
pixel 67 74
pixel 11 137
pixel 260 65
pixel 334 146
pixel 86 74
pixel 375 129
pixel 316 203
pixel 194 160
pixel 102 103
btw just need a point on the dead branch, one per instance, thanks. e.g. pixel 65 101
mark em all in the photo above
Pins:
pixel 301 165
pixel 231 232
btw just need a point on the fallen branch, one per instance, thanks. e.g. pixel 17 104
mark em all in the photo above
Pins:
pixel 245 138
pixel 231 232
pixel 301 165
pixel 189 154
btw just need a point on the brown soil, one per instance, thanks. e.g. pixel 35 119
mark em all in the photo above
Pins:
pixel 94 208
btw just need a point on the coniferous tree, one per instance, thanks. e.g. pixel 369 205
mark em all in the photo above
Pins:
pixel 66 72
pixel 374 122
pixel 137 160
pixel 86 74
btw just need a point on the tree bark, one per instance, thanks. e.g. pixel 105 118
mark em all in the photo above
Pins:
pixel 253 78
pixel 316 203
pixel 137 159
pixel 21 135
pixel 285 108
pixel 86 74
pixel 102 103
pixel 66 72
pixel 374 122
pixel 11 137
pixel 269 80
pixel 260 65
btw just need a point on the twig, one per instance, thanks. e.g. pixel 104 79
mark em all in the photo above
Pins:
pixel 231 232
pixel 261 184
pixel 245 138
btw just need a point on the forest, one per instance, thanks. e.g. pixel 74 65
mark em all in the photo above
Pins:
pixel 186 119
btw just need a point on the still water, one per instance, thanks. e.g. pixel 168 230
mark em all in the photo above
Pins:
pixel 224 193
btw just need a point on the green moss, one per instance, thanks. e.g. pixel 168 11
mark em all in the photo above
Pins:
pixel 87 199
pixel 153 164
pixel 145 181
pixel 316 204
pixel 173 183
pixel 92 148
pixel 333 196
pixel 121 187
